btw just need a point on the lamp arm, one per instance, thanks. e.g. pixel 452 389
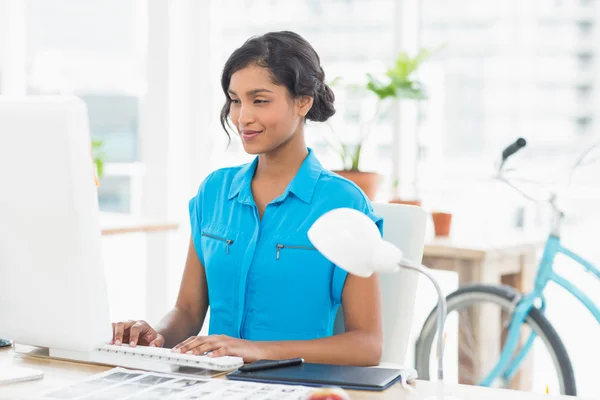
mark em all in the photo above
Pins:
pixel 442 306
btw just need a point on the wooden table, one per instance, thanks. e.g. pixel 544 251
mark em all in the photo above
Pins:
pixel 115 223
pixel 57 373
pixel 509 259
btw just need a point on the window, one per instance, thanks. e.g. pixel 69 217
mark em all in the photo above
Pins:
pixel 114 121
pixel 509 69
pixel 94 50
pixel 115 194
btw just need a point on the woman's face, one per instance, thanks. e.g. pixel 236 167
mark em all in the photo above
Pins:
pixel 263 113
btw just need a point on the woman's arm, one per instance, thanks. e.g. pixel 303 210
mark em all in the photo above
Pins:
pixel 361 344
pixel 187 317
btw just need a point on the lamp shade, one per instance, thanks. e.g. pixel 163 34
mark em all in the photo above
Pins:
pixel 351 240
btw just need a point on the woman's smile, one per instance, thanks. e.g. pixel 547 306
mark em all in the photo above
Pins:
pixel 249 135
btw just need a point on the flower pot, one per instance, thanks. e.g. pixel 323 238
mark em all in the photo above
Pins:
pixel 367 181
pixel 441 222
pixel 397 200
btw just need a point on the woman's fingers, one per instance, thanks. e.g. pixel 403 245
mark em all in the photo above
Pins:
pixel 120 329
pixel 178 347
pixel 158 342
pixel 205 348
pixel 141 328
pixel 223 351
pixel 200 345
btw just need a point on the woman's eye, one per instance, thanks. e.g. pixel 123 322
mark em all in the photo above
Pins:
pixel 235 101
pixel 260 101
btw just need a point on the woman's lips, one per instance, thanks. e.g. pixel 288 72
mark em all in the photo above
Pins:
pixel 249 135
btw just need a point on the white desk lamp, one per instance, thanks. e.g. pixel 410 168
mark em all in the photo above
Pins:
pixel 351 240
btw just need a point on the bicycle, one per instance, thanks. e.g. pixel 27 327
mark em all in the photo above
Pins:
pixel 524 313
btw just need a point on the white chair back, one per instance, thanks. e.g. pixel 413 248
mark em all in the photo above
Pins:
pixel 404 226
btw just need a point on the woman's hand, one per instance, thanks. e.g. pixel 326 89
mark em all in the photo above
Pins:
pixel 221 345
pixel 136 332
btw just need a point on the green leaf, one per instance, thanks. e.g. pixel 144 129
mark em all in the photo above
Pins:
pixel 397 83
pixel 98 157
pixel 356 157
pixel 99 166
pixel 382 90
pixel 335 81
pixel 411 93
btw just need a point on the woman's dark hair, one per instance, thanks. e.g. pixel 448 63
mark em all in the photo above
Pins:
pixel 292 62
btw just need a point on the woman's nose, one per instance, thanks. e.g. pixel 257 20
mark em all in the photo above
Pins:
pixel 246 116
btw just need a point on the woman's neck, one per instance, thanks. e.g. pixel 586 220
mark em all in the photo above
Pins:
pixel 283 162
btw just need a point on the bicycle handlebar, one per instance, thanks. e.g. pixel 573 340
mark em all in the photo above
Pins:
pixel 551 198
pixel 506 153
pixel 512 149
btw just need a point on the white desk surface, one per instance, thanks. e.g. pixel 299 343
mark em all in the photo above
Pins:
pixel 57 373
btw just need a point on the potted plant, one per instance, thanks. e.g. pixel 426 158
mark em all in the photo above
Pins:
pixel 442 222
pixel 98 158
pixel 398 84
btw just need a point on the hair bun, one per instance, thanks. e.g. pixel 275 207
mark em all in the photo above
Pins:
pixel 323 106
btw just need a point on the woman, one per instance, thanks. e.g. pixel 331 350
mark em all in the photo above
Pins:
pixel 271 294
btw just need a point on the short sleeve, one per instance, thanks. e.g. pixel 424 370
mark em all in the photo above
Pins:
pixel 339 275
pixel 195 209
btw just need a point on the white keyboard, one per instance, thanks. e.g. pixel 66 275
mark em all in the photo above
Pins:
pixel 111 354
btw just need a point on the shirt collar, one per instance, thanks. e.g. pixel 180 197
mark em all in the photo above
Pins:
pixel 302 186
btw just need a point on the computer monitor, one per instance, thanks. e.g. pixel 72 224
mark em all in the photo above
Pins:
pixel 52 282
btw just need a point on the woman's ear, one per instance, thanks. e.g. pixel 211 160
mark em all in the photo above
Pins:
pixel 303 105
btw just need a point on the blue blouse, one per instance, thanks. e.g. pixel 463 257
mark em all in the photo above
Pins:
pixel 265 279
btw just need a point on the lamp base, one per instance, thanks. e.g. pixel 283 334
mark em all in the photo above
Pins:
pixel 5 343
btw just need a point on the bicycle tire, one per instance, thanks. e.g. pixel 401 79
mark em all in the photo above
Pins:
pixel 505 297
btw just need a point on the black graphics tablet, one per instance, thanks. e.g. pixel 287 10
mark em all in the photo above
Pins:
pixel 308 374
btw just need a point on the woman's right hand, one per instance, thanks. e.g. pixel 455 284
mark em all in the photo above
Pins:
pixel 136 332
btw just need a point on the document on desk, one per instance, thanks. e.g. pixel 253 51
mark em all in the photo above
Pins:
pixel 120 384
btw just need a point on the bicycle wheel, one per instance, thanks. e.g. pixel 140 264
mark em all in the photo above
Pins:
pixel 470 362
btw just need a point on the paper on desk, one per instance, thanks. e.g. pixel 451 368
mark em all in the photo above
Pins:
pixel 120 383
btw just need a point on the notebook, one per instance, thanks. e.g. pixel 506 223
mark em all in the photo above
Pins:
pixel 308 374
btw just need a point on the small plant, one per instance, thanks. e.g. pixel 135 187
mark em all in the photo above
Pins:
pixel 98 157
pixel 399 83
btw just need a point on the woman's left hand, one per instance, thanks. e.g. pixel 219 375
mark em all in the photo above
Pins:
pixel 221 345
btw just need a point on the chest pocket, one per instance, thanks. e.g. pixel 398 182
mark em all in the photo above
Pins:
pixel 221 246
pixel 225 238
pixel 298 297
pixel 281 246
pixel 300 268
pixel 223 250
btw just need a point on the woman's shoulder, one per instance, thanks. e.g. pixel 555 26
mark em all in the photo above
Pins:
pixel 220 179
pixel 341 189
pixel 335 191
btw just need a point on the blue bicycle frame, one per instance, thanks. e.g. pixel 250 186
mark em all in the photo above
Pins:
pixel 508 366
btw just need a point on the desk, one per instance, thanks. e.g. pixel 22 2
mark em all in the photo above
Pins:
pixel 115 223
pixel 57 373
pixel 510 259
